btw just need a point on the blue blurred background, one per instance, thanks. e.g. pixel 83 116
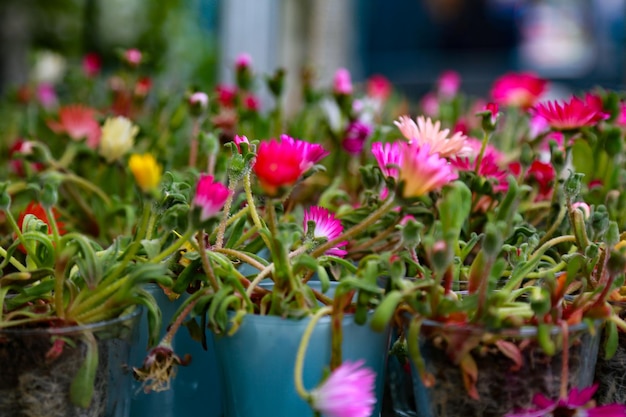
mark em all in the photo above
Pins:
pixel 577 43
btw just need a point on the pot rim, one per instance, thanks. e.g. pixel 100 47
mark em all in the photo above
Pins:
pixel 66 330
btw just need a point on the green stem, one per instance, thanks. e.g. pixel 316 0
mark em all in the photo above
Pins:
pixel 173 247
pixel 268 269
pixel 88 186
pixel 69 155
pixel 271 216
pixel 357 228
pixel 55 228
pixel 304 342
pixel 481 154
pixel 16 229
pixel 206 263
pixel 247 186
pixel 559 219
pixel 221 228
pixel 241 256
pixel 17 264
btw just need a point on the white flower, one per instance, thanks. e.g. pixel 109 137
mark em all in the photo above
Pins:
pixel 49 67
pixel 118 137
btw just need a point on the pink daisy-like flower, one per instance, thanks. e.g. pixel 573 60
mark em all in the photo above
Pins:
pixel 378 87
pixel 326 226
pixel 425 132
pixel 281 163
pixel 578 403
pixel 356 134
pixel 348 392
pixel 518 89
pixel 621 117
pixel 423 171
pixel 342 82
pixel 594 101
pixel 570 115
pixel 210 196
pixel 388 157
pixel 489 169
pixel 78 122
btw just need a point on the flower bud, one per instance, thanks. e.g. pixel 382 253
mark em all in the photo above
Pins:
pixel 133 57
pixel 489 117
pixel 243 71
pixel 146 170
pixel 276 83
pixel 198 103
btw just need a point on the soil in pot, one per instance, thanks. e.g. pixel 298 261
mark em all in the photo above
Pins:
pixel 611 373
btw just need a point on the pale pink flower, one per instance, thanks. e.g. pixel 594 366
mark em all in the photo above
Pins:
pixel 583 207
pixel 348 392
pixel 210 196
pixel 430 105
pixel 388 157
pixel 425 132
pixel 199 99
pixel 47 95
pixel 423 171
pixel 243 60
pixel 342 83
pixel 133 56
pixel 326 226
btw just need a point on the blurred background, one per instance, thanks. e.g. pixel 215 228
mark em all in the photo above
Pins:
pixel 576 43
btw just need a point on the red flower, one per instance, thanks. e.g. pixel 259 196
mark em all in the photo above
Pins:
pixel 78 122
pixel 226 95
pixel 281 163
pixel 378 87
pixel 251 103
pixel 92 64
pixel 569 115
pixel 38 211
pixel 518 89
pixel 543 174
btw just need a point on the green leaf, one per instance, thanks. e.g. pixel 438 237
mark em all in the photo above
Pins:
pixel 81 389
pixel 611 342
pixel 152 247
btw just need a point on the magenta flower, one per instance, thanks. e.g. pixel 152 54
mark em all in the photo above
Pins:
pixel 326 226
pixel 379 87
pixel 92 64
pixel 518 90
pixel 448 84
pixel 342 83
pixel 388 157
pixel 243 60
pixel 356 134
pixel 311 153
pixel 210 196
pixel 570 115
pixel 577 403
pixel 348 392
pixel 621 117
pixel 133 57
pixel 239 140
pixel 422 171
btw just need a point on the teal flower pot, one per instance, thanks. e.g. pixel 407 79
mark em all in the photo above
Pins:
pixel 257 363
pixel 195 390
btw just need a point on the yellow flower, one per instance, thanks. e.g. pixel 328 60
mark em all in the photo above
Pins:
pixel 146 170
pixel 118 137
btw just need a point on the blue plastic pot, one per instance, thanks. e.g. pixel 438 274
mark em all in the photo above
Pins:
pixel 195 391
pixel 257 363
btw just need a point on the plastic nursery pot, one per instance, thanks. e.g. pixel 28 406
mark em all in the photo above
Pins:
pixel 194 385
pixel 610 372
pixel 502 387
pixel 257 363
pixel 34 384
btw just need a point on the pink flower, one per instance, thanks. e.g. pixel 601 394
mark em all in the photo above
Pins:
pixel 342 83
pixel 281 163
pixel 356 134
pixel 388 157
pixel 348 392
pixel 577 403
pixel 199 99
pixel 133 57
pixel 492 108
pixel 92 64
pixel 210 196
pixel 239 140
pixel 595 102
pixel 326 226
pixel 378 87
pixel 430 105
pixel 251 103
pixel 488 169
pixel 621 117
pixel 425 132
pixel 518 89
pixel 423 171
pixel 47 95
pixel 568 115
pixel 226 94
pixel 543 174
pixel 78 122
pixel 243 60
pixel 538 125
pixel 448 84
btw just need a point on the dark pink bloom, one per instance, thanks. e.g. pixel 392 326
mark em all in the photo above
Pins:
pixel 281 163
pixel 537 125
pixel 570 115
pixel 621 117
pixel 133 57
pixel 388 157
pixel 489 169
pixel 518 89
pixel 348 392
pixel 356 134
pixel 342 83
pixel 378 87
pixel 577 403
pixel 240 139
pixel 544 174
pixel 492 108
pixel 326 226
pixel 210 196
pixel 226 95
pixel 78 122
pixel 595 102
pixel 92 64
pixel 251 103
pixel 448 84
